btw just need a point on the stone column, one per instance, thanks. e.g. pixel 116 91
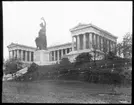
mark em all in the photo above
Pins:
pixel 61 53
pixel 14 53
pixel 90 40
pixel 115 48
pixel 94 38
pixel 18 55
pixel 72 43
pixel 50 56
pixel 69 49
pixel 98 44
pixel 22 55
pixel 11 54
pixel 30 56
pixel 101 43
pixel 78 42
pixel 25 55
pixel 54 55
pixel 106 44
pixel 84 41
pixel 112 45
pixel 65 51
pixel 58 55
pixel 96 41
pixel 109 45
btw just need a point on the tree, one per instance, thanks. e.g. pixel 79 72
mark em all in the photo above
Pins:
pixel 111 55
pixel 83 57
pixel 64 61
pixel 127 44
pixel 12 65
pixel 125 47
pixel 118 48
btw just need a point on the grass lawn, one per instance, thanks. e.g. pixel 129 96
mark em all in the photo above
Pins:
pixel 47 91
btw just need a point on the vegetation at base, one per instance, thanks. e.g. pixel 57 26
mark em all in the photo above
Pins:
pixel 83 58
pixel 109 71
pixel 12 66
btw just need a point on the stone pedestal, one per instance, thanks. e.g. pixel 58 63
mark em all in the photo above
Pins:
pixel 41 57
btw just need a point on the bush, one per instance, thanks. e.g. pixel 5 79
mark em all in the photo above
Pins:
pixel 33 67
pixel 65 64
pixel 12 66
pixel 83 58
pixel 126 76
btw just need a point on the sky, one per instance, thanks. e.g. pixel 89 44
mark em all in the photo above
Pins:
pixel 21 20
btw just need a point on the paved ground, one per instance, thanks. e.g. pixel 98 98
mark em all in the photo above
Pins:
pixel 59 92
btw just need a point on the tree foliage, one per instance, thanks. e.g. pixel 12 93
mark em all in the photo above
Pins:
pixel 125 46
pixel 12 65
pixel 64 61
pixel 83 57
pixel 111 55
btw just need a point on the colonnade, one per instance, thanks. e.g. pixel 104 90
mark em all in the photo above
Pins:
pixel 92 40
pixel 22 54
pixel 57 55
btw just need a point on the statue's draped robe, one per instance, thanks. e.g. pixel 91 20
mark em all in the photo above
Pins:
pixel 41 41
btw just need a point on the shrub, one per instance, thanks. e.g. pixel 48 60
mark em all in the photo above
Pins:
pixel 33 67
pixel 82 58
pixel 13 65
pixel 65 64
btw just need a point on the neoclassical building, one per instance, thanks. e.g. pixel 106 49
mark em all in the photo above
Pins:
pixel 85 38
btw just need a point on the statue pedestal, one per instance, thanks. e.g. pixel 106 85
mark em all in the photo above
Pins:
pixel 41 57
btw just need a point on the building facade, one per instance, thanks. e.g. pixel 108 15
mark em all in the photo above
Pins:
pixel 85 38
pixel 26 53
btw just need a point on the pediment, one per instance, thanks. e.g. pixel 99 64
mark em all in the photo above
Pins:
pixel 80 25
pixel 11 45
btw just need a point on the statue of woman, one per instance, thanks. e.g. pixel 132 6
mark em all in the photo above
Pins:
pixel 41 41
pixel 43 27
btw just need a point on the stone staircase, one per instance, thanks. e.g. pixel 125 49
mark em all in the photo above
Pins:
pixel 18 73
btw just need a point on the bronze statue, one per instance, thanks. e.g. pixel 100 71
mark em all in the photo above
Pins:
pixel 41 41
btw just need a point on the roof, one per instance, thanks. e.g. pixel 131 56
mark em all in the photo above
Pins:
pixel 81 26
pixel 16 44
pixel 65 44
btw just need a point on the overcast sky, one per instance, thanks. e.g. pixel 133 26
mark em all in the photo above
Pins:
pixel 21 19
